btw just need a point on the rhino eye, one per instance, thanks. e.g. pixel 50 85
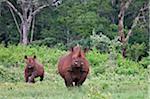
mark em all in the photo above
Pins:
pixel 82 63
pixel 75 63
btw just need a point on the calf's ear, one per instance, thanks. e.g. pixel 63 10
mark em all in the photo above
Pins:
pixel 25 57
pixel 34 57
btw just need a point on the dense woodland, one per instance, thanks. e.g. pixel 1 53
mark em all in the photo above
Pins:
pixel 58 23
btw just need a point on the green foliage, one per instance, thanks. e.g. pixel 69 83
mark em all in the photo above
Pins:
pixel 136 51
pixel 127 67
pixel 50 42
pixel 10 75
pixel 103 63
pixel 85 43
pixel 140 36
pixel 101 42
pixel 104 44
pixel 97 61
pixel 73 21
pixel 13 56
pixel 145 62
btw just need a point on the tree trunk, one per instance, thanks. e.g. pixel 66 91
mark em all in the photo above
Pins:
pixel 25 33
pixel 25 26
pixel 123 7
pixel 32 30
pixel 68 35
pixel 20 38
pixel 124 52
pixel 121 32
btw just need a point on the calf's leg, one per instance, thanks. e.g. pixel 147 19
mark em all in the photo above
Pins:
pixel 26 78
pixel 31 78
pixel 26 75
pixel 41 77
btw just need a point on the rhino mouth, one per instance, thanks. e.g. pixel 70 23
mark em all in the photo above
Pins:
pixel 29 66
pixel 76 69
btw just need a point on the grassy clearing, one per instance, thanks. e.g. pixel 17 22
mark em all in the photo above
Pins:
pixel 94 88
pixel 127 80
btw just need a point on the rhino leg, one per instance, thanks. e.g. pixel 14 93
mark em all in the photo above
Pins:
pixel 68 80
pixel 82 79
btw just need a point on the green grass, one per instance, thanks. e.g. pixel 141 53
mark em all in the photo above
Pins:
pixel 94 88
pixel 126 80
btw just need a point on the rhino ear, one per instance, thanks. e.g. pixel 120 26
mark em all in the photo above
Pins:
pixel 34 56
pixel 25 57
pixel 71 49
pixel 86 50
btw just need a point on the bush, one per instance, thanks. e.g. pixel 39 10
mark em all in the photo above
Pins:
pixel 145 62
pixel 127 67
pixel 136 51
pixel 101 42
pixel 104 44
pixel 85 43
pixel 10 75
pixel 50 42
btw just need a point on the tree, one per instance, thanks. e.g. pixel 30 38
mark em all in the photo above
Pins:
pixel 26 11
pixel 123 38
pixel 78 19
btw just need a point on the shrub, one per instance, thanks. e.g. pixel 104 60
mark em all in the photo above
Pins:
pixel 126 66
pixel 50 42
pixel 145 62
pixel 85 43
pixel 101 42
pixel 104 44
pixel 10 74
pixel 136 51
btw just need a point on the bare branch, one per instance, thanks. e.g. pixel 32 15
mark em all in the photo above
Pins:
pixel 30 17
pixel 135 23
pixel 113 2
pixel 132 27
pixel 15 19
pixel 127 4
pixel 39 9
pixel 29 4
pixel 124 6
pixel 13 7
